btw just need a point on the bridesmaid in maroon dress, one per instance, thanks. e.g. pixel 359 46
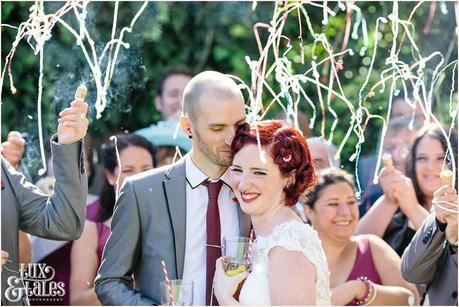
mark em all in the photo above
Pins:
pixel 364 270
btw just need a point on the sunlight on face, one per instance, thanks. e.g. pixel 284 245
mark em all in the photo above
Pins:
pixel 216 127
pixel 335 212
pixel 428 165
pixel 258 186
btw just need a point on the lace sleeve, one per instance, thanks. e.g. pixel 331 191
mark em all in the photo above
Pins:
pixel 295 236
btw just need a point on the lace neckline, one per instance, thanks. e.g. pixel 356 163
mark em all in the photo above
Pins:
pixel 278 227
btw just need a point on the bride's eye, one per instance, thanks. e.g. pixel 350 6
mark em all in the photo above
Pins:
pixel 260 173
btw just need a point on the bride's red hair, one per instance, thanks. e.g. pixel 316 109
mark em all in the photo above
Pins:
pixel 288 149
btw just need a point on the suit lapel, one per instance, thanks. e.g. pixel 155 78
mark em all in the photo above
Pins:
pixel 175 191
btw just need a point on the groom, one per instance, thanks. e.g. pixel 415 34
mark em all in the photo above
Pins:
pixel 178 213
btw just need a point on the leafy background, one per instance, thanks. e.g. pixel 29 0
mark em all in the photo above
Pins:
pixel 199 36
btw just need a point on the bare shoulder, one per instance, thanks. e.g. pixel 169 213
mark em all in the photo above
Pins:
pixel 377 244
pixel 279 255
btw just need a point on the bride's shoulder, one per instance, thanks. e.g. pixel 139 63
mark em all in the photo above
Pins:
pixel 295 234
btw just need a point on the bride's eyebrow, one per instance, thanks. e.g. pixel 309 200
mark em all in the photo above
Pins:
pixel 259 169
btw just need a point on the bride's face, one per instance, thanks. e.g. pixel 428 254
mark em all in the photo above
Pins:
pixel 335 212
pixel 258 186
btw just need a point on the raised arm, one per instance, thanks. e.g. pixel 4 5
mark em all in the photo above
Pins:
pixel 377 218
pixel 60 216
pixel 113 283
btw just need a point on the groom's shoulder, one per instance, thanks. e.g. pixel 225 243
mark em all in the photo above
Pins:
pixel 159 174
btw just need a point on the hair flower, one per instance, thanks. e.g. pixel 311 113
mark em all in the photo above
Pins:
pixel 287 158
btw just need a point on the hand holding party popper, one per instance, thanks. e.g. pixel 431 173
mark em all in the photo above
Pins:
pixel 73 123
pixel 447 177
pixel 387 160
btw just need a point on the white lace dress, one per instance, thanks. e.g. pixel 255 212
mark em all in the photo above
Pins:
pixel 293 236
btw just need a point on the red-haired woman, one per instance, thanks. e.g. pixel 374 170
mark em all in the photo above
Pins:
pixel 290 267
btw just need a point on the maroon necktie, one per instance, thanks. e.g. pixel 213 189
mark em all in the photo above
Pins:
pixel 213 249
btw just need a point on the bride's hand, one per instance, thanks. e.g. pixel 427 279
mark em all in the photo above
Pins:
pixel 225 286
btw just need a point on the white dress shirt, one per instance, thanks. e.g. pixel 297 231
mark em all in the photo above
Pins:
pixel 196 232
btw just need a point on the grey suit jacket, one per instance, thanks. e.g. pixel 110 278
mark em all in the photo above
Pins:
pixel 148 225
pixel 428 260
pixel 60 216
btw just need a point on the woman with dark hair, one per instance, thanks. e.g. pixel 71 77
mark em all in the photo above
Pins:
pixel 407 200
pixel 364 270
pixel 135 155
pixel 291 268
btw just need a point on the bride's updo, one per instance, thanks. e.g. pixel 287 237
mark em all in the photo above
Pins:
pixel 288 149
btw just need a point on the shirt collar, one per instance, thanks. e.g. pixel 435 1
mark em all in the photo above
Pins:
pixel 195 176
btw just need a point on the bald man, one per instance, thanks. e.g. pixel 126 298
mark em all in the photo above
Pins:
pixel 162 214
pixel 322 153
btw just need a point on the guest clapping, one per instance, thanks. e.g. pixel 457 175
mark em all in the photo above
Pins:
pixel 407 200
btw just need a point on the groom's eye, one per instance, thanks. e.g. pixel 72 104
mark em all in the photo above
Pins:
pixel 216 128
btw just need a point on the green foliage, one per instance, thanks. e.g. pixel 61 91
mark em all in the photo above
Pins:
pixel 199 36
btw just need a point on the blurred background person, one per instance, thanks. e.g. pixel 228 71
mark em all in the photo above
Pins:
pixel 431 257
pixel 397 143
pixel 401 108
pixel 168 102
pixel 402 113
pixel 136 155
pixel 169 92
pixel 322 153
pixel 407 200
pixel 363 268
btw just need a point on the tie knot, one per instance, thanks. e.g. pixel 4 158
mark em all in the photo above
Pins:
pixel 213 188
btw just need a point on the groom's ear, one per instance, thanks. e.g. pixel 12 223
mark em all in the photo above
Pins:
pixel 185 123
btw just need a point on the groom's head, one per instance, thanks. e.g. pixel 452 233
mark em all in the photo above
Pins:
pixel 213 107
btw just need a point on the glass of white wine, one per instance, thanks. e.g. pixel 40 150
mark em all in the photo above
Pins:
pixel 237 255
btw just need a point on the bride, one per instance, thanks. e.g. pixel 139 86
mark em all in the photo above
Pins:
pixel 290 267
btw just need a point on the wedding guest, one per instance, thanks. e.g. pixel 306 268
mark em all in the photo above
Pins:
pixel 363 268
pixel 25 207
pixel 407 200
